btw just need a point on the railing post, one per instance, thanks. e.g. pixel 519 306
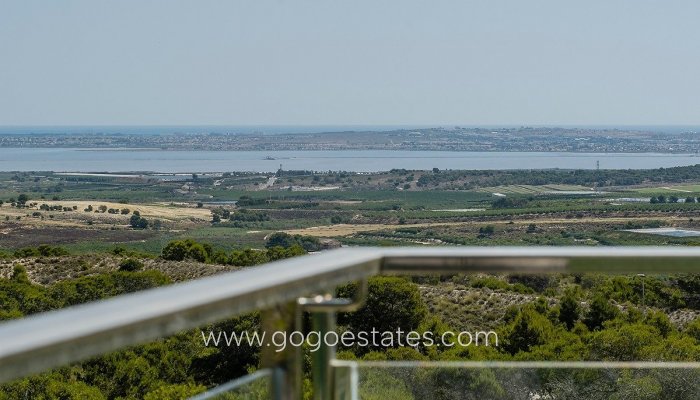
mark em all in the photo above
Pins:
pixel 345 381
pixel 323 309
pixel 323 322
pixel 285 384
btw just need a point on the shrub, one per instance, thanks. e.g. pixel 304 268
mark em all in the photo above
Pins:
pixel 179 250
pixel 41 251
pixel 601 310
pixel 130 265
pixel 391 303
pixel 285 240
pixel 138 222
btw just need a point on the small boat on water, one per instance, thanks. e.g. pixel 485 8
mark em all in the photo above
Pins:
pixel 269 158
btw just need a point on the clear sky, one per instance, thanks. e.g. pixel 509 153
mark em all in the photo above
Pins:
pixel 349 62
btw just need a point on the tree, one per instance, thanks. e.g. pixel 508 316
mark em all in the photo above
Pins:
pixel 179 250
pixel 392 303
pixel 281 239
pixel 175 251
pixel 248 257
pixel 661 198
pixel 601 310
pixel 690 199
pixel 175 392
pixel 22 199
pixel 623 343
pixel 673 199
pixel 529 329
pixel 229 362
pixel 138 222
pixel 278 253
pixel 569 310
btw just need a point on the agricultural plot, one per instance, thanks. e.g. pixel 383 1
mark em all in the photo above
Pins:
pixel 534 189
pixel 677 190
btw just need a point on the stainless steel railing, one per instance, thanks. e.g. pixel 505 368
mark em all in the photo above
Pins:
pixel 51 339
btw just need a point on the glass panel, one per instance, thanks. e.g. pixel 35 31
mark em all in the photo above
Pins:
pixel 255 386
pixel 447 381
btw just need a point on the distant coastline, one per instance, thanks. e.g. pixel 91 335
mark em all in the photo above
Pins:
pixel 303 129
pixel 462 139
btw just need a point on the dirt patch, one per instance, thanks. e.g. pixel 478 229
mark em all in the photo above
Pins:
pixel 16 235
pixel 350 229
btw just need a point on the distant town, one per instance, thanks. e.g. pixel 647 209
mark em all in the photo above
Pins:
pixel 442 139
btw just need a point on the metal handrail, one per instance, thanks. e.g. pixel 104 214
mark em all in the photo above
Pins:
pixel 234 384
pixel 55 338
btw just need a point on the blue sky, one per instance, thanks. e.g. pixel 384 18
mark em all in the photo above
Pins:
pixel 349 62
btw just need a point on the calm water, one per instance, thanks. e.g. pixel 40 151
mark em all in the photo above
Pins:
pixel 84 160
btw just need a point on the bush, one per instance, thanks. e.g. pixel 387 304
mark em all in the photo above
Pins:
pixel 538 283
pixel 179 250
pixel 391 303
pixel 130 265
pixel 285 240
pixel 486 231
pixel 43 250
pixel 138 222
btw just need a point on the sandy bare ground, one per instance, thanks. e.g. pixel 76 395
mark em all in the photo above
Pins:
pixel 162 211
pixel 173 216
pixel 348 229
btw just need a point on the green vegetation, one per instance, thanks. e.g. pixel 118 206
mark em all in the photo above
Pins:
pixel 70 239
pixel 176 367
pixel 130 265
pixel 180 250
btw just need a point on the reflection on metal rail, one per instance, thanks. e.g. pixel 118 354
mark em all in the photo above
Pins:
pixel 47 340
